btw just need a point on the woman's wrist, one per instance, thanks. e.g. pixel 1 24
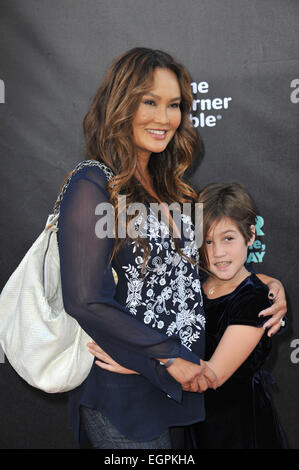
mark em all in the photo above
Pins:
pixel 167 363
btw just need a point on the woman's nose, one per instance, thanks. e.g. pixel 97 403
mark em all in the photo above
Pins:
pixel 161 115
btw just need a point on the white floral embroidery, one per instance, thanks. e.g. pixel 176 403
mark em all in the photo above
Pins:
pixel 135 284
pixel 168 295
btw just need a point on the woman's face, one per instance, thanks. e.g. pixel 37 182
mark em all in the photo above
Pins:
pixel 158 115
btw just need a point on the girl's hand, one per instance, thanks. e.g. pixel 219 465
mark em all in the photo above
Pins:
pixel 210 375
pixel 193 377
pixel 106 362
pixel 279 307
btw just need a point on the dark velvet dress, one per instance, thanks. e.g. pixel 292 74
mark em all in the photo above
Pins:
pixel 240 413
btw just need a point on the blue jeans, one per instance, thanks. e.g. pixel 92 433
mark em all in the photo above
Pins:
pixel 103 435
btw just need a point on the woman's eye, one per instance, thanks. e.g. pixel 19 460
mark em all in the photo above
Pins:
pixel 175 105
pixel 150 102
pixel 208 242
pixel 229 238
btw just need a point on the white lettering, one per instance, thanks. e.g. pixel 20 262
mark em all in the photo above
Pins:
pixel 194 120
pixel 115 460
pixel 2 91
pixel 205 104
pixel 133 229
pixel 171 459
pixel 105 225
pixel 208 104
pixel 226 100
pixel 2 358
pixel 295 354
pixel 138 224
pixel 202 120
pixel 217 103
pixel 194 104
pixel 202 87
pixel 122 217
pixel 294 97
pixel 210 121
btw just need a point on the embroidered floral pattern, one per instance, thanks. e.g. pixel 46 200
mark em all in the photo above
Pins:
pixel 168 296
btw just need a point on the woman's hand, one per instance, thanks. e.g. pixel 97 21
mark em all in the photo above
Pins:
pixel 106 362
pixel 279 307
pixel 193 377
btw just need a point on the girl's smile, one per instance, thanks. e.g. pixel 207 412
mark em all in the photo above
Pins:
pixel 227 251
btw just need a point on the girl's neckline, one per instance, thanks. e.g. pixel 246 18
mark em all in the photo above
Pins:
pixel 230 293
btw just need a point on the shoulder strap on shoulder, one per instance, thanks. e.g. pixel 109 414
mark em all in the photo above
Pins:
pixel 108 173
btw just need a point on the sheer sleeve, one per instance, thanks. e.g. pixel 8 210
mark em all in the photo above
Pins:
pixel 88 287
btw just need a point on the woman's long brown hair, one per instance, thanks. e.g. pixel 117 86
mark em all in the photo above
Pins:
pixel 109 137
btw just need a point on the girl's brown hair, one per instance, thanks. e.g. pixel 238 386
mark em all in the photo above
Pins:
pixel 108 132
pixel 229 200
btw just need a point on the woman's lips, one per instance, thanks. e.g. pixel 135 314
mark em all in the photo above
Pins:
pixel 157 133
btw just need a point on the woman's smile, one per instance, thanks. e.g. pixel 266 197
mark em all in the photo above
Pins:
pixel 157 134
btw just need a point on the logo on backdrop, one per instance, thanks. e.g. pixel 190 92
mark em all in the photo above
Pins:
pixel 2 92
pixel 207 111
pixel 295 353
pixel 257 250
pixel 294 96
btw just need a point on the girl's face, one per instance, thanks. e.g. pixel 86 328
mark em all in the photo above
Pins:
pixel 227 250
pixel 158 115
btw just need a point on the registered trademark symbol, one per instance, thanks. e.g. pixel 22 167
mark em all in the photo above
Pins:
pixel 219 116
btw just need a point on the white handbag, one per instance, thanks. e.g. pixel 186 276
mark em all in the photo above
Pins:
pixel 45 345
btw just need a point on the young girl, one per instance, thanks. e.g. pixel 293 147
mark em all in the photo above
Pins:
pixel 239 414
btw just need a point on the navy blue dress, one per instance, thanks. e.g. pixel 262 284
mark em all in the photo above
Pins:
pixel 240 413
pixel 158 315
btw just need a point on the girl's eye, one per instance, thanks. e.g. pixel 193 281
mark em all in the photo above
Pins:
pixel 229 238
pixel 175 105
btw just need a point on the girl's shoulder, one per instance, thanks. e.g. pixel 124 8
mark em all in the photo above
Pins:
pixel 248 301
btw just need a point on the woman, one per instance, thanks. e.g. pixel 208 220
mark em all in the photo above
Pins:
pixel 138 126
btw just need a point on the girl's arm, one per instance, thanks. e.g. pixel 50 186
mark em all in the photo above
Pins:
pixel 180 370
pixel 244 330
pixel 236 344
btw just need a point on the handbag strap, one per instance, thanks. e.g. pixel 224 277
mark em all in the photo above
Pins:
pixel 108 172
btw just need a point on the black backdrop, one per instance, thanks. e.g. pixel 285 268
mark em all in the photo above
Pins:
pixel 243 58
